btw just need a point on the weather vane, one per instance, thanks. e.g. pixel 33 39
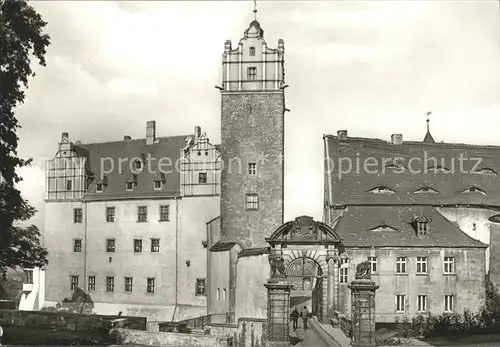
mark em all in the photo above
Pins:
pixel 255 9
pixel 428 120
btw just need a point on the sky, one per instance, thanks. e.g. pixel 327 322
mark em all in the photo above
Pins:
pixel 374 68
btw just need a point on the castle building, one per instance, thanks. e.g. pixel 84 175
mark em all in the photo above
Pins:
pixel 421 213
pixel 125 221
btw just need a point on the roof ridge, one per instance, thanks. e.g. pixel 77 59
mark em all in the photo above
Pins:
pixel 435 144
pixel 130 141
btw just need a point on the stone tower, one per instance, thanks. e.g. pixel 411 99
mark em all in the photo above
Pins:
pixel 253 106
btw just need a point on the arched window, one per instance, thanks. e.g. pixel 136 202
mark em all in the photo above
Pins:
pixel 218 294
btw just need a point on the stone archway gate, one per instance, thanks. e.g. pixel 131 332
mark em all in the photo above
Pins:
pixel 315 244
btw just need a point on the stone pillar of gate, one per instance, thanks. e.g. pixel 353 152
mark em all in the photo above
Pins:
pixel 278 302
pixel 363 307
pixel 332 259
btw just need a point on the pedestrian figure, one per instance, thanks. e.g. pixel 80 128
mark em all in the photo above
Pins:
pixel 305 316
pixel 295 318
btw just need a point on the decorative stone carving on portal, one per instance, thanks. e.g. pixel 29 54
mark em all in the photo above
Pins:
pixel 363 271
pixel 308 251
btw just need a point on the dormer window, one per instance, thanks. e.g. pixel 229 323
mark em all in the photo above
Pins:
pixel 158 185
pixel 101 184
pixel 252 73
pixel 426 190
pixel 252 51
pixel 484 171
pixel 422 225
pixel 423 228
pixel 381 190
pixel 138 164
pixel 131 182
pixel 129 186
pixel 474 190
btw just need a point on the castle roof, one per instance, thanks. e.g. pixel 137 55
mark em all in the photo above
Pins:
pixel 390 226
pixel 383 173
pixel 112 163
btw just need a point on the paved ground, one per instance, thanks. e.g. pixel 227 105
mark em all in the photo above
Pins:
pixel 305 338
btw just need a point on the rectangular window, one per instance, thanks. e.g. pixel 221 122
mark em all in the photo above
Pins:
pixel 155 245
pixel 422 303
pixel 423 228
pixel 202 177
pixel 401 265
pixel 137 246
pixel 29 276
pixel 252 169
pixel 373 262
pixel 142 214
pixel 129 186
pixel 400 303
pixel 200 286
pixel 421 265
pixel 77 215
pixel 91 284
pixel 110 214
pixel 69 185
pixel 449 301
pixel 449 265
pixel 98 187
pixel 138 165
pixel 164 213
pixel 110 245
pixel 77 245
pixel 74 283
pixel 252 73
pixel 252 51
pixel 151 285
pixel 157 185
pixel 344 270
pixel 252 201
pixel 110 284
pixel 128 284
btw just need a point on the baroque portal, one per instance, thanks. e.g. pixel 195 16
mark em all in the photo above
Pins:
pixel 305 253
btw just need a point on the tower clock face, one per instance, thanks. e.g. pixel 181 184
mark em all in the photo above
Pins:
pixel 495 218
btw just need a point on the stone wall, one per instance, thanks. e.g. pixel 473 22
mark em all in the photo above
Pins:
pixel 495 253
pixel 249 332
pixel 148 338
pixel 69 321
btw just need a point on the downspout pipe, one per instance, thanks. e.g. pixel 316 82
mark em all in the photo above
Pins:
pixel 85 285
pixel 176 257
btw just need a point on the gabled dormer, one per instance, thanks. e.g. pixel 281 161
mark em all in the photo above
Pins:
pixel 159 181
pixel 474 189
pixel 101 184
pixel 131 183
pixel 381 190
pixel 422 225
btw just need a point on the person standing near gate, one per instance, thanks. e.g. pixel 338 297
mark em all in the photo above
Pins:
pixel 305 316
pixel 295 318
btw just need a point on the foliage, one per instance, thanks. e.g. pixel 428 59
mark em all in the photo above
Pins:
pixel 486 320
pixel 11 286
pixel 21 38
pixel 79 302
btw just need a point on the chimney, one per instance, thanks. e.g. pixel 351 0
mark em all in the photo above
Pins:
pixel 342 135
pixel 127 138
pixel 197 132
pixel 150 132
pixel 397 139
